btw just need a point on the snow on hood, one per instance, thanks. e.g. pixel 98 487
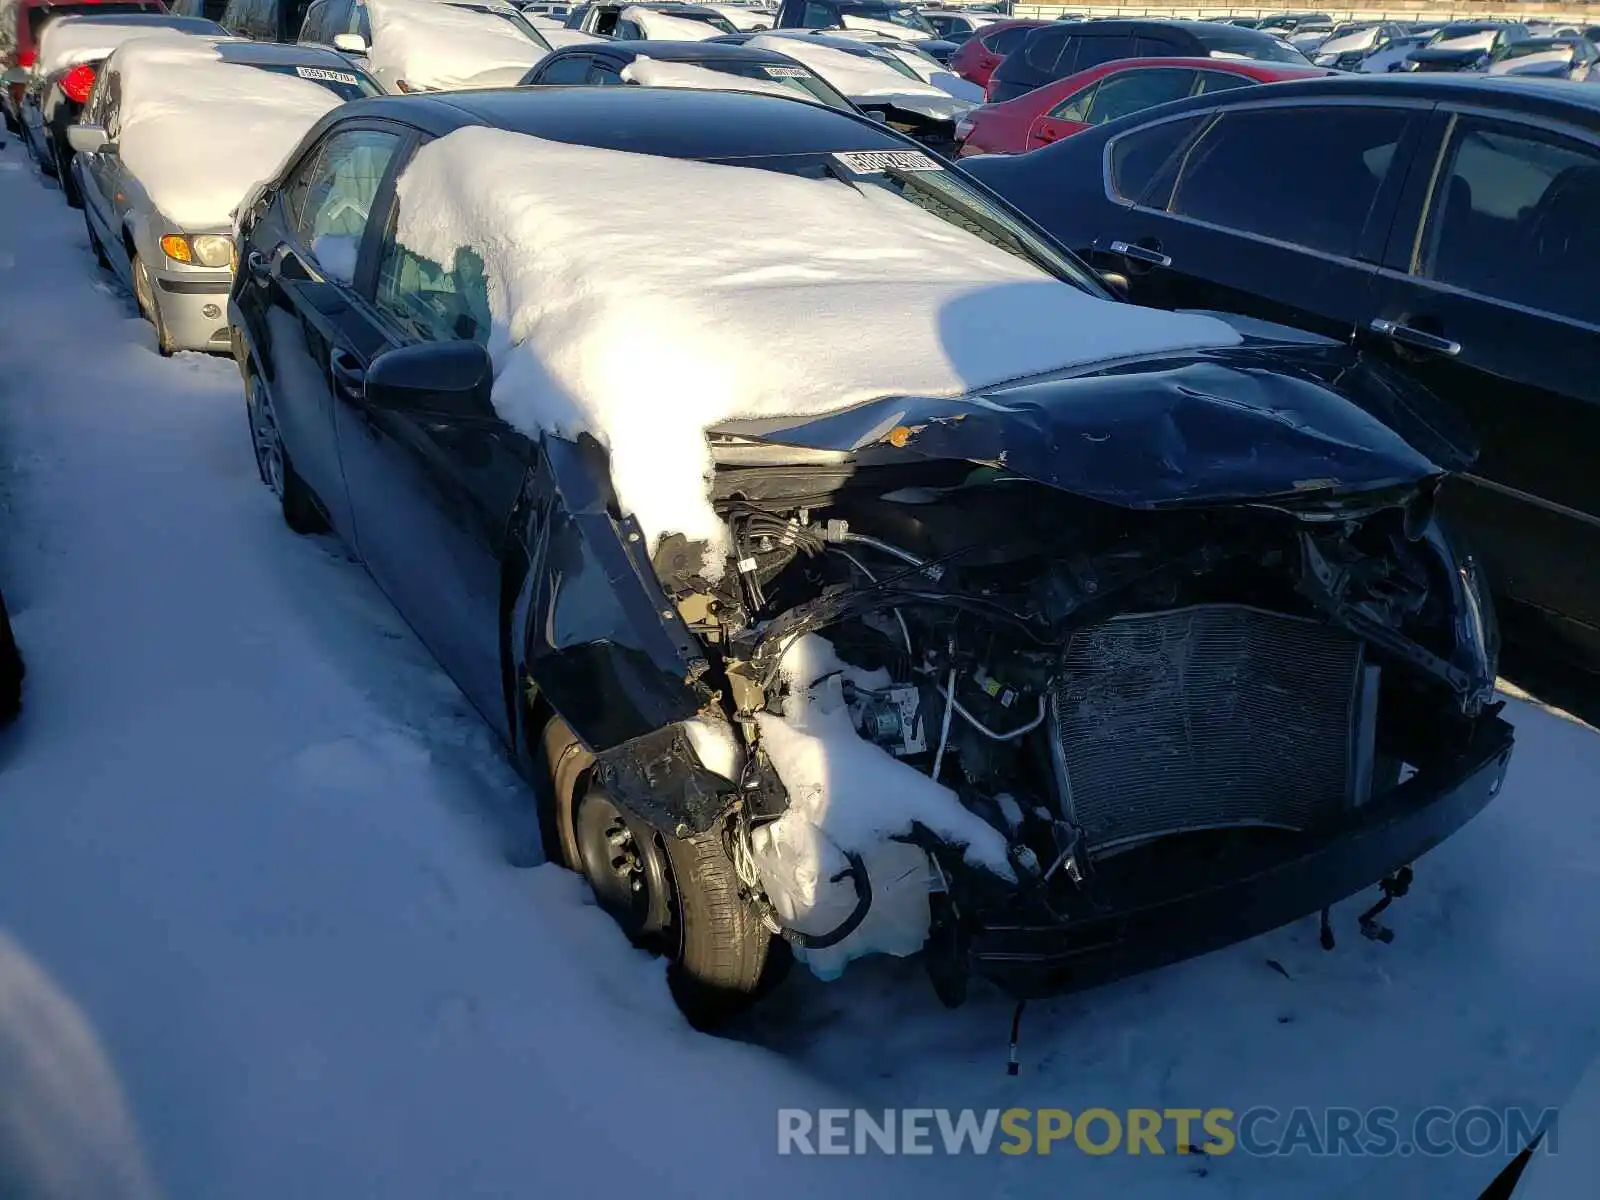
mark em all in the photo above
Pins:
pixel 941 77
pixel 1469 41
pixel 430 44
pixel 1360 39
pixel 644 322
pixel 199 133
pixel 745 20
pixel 66 43
pixel 655 72
pixel 861 78
pixel 663 27
pixel 852 21
pixel 1545 62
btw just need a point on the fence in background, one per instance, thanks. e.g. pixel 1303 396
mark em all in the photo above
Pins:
pixel 1392 10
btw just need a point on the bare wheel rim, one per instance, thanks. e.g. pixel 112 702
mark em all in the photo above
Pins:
pixel 625 867
pixel 268 442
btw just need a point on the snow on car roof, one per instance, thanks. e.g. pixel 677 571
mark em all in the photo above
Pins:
pixel 73 40
pixel 621 309
pixel 668 27
pixel 431 44
pixel 657 72
pixel 181 102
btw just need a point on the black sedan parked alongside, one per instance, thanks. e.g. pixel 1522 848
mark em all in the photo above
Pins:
pixel 709 65
pixel 1444 224
pixel 53 102
pixel 1252 498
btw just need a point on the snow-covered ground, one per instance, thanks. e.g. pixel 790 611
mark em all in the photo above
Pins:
pixel 263 931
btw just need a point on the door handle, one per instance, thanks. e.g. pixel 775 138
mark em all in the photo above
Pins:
pixel 349 376
pixel 1419 339
pixel 1144 254
pixel 256 264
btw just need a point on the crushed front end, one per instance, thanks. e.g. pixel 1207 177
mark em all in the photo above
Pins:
pixel 1054 726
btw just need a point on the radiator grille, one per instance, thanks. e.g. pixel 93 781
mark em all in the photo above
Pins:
pixel 1206 717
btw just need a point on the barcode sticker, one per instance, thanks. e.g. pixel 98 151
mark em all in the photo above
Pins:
pixel 876 162
pixel 327 76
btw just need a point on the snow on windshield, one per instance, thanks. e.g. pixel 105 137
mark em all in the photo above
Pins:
pixel 856 75
pixel 655 72
pixel 181 103
pixel 429 44
pixel 645 320
pixel 65 43
pixel 665 27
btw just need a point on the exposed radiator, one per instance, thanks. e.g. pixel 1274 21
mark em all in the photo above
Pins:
pixel 1207 717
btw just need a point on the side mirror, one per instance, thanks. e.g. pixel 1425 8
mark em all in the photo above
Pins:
pixel 350 43
pixel 87 139
pixel 452 379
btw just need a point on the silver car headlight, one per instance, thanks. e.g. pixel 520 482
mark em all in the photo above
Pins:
pixel 212 249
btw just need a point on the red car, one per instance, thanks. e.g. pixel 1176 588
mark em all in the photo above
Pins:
pixel 981 53
pixel 1104 93
pixel 28 18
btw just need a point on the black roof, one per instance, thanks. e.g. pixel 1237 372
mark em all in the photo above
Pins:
pixel 1558 99
pixel 671 122
pixel 691 52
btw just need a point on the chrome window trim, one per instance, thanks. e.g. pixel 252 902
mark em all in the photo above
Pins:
pixel 1574 514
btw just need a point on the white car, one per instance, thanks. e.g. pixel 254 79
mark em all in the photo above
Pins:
pixel 1574 58
pixel 428 45
pixel 958 24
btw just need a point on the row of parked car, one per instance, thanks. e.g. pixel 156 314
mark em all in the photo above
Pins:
pixel 1044 560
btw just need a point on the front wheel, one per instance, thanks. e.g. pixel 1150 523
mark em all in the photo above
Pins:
pixel 679 897
pixel 300 510
pixel 144 292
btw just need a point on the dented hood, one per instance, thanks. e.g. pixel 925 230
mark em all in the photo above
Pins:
pixel 1204 429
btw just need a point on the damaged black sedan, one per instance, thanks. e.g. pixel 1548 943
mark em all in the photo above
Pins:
pixel 873 582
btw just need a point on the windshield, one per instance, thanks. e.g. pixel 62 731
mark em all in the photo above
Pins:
pixel 344 82
pixel 954 199
pixel 1553 50
pixel 903 15
pixel 1450 32
pixel 515 19
pixel 1227 41
pixel 712 19
pixel 789 76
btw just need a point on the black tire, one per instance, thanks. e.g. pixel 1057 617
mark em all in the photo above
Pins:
pixel 12 669
pixel 144 294
pixel 11 124
pixel 69 185
pixel 301 512
pixel 720 957
pixel 94 243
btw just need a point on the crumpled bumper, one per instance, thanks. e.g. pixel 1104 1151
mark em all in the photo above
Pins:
pixel 1030 959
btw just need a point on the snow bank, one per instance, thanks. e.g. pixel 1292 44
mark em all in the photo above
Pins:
pixel 655 72
pixel 430 44
pixel 180 102
pixel 642 321
pixel 664 28
pixel 66 43
pixel 847 794
pixel 858 77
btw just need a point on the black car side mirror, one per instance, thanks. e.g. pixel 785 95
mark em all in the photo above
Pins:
pixel 451 379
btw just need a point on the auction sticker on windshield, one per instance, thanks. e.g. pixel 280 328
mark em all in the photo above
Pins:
pixel 787 72
pixel 875 162
pixel 327 76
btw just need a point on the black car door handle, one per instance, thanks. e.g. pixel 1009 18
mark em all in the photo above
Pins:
pixel 1419 339
pixel 1142 254
pixel 349 377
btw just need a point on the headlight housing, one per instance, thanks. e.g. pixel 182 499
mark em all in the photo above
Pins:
pixel 207 250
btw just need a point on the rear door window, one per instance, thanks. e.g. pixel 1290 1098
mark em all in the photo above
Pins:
pixel 1092 51
pixel 1045 48
pixel 1305 176
pixel 1144 163
pixel 572 69
pixel 1134 91
pixel 1007 40
pixel 1514 218
pixel 1220 81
